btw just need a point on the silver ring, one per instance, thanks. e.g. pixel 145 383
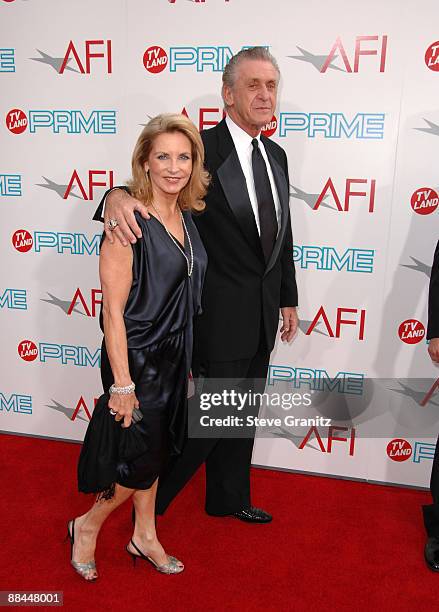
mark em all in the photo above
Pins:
pixel 112 412
pixel 112 224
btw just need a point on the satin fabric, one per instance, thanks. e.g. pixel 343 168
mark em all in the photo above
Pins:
pixel 158 319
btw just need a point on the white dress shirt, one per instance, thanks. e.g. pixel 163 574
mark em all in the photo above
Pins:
pixel 244 148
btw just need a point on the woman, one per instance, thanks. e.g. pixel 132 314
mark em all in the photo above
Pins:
pixel 150 293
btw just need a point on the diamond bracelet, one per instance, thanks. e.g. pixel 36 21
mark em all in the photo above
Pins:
pixel 122 390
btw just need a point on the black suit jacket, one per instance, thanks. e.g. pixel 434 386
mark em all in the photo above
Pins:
pixel 240 290
pixel 433 298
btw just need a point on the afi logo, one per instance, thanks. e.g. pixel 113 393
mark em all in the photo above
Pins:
pixel 331 437
pixel 424 201
pixel 411 331
pixel 379 49
pixel 78 298
pixel 432 57
pixel 85 183
pixel 349 192
pixel 90 183
pixel 339 321
pixel 399 450
pixel 81 56
pixel 82 405
pixel 209 116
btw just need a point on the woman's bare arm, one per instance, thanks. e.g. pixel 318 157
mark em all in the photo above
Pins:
pixel 115 271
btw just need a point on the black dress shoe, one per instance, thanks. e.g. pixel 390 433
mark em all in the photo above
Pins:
pixel 253 515
pixel 431 553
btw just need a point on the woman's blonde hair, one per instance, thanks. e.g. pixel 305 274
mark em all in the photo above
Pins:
pixel 192 194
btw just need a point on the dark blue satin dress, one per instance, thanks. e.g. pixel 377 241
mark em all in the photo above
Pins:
pixel 158 318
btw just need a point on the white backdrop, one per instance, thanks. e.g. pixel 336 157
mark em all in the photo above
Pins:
pixel 358 117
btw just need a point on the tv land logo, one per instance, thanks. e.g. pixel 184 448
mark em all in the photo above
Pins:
pixel 14 299
pixel 212 58
pixel 10 185
pixel 401 450
pixel 328 258
pixel 63 243
pixel 364 46
pixel 341 198
pixel 424 201
pixel 351 383
pixel 333 125
pixel 7 60
pixel 64 121
pixel 80 303
pixel 85 182
pixel 65 354
pixel 411 331
pixel 82 55
pixel 357 318
pixel 16 403
pixel 432 57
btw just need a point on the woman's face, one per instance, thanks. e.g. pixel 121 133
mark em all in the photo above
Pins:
pixel 170 163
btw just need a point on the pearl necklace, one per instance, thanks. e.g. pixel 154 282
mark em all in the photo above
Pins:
pixel 189 261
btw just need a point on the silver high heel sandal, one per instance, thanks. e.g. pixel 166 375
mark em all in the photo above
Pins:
pixel 83 569
pixel 171 567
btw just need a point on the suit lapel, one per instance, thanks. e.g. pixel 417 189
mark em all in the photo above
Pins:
pixel 233 183
pixel 284 197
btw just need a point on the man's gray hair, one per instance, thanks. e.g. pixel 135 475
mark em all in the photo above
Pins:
pixel 253 53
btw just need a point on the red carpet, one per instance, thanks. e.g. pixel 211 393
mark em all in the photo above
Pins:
pixel 333 544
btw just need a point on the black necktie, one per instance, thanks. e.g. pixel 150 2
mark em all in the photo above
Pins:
pixel 264 195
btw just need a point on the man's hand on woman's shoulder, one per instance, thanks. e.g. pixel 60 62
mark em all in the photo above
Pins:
pixel 120 206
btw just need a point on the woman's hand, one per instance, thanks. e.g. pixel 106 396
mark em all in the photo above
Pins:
pixel 124 406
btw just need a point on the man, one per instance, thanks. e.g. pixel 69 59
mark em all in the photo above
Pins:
pixel 247 235
pixel 431 512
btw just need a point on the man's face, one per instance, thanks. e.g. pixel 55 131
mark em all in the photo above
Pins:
pixel 251 100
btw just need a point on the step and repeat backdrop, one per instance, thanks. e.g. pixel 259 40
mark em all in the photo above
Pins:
pixel 358 115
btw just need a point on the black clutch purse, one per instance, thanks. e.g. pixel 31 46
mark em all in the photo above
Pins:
pixel 108 449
